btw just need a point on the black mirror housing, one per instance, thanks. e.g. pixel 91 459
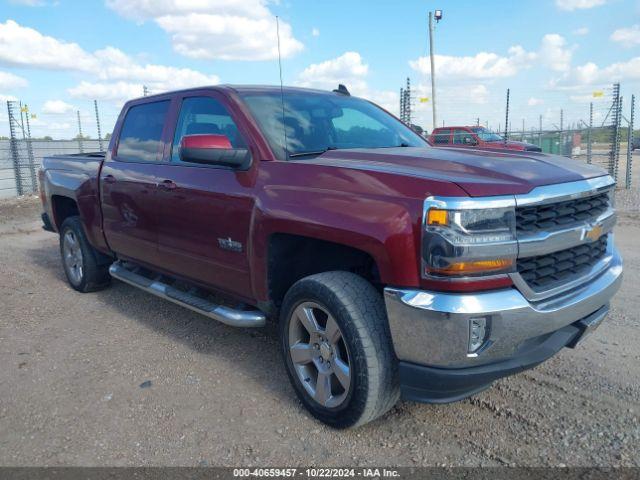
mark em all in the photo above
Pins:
pixel 239 158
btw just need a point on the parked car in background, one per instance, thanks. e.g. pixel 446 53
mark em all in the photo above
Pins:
pixel 476 137
pixel 393 268
pixel 635 143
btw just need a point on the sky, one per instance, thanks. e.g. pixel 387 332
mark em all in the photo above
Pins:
pixel 57 56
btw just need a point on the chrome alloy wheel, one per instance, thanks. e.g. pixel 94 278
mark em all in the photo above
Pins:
pixel 72 255
pixel 319 354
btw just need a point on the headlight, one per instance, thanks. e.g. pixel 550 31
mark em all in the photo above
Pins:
pixel 469 237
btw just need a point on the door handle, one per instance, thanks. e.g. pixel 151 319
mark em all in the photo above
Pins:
pixel 109 179
pixel 167 185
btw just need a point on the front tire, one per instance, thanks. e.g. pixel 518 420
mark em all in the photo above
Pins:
pixel 337 349
pixel 85 268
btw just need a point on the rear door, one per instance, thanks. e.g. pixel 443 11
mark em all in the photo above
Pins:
pixel 463 138
pixel 205 212
pixel 442 137
pixel 128 182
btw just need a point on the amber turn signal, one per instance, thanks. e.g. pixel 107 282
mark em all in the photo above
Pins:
pixel 478 266
pixel 437 217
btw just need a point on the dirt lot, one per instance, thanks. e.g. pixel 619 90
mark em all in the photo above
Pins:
pixel 72 365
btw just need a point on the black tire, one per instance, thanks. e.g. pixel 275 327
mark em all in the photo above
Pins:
pixel 94 274
pixel 359 311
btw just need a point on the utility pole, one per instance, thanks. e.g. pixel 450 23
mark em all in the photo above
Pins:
pixel 561 120
pixel 95 106
pixel 80 146
pixel 13 145
pixel 616 111
pixel 32 163
pixel 506 120
pixel 540 131
pixel 627 183
pixel 145 91
pixel 407 102
pixel 589 140
pixel 433 68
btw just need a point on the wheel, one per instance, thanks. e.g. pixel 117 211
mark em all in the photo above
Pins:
pixel 337 349
pixel 87 270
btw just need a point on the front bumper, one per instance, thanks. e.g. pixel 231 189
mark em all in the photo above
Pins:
pixel 430 332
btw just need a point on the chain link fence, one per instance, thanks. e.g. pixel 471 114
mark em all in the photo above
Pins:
pixel 21 159
pixel 605 137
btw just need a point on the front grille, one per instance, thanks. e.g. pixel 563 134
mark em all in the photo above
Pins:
pixel 557 215
pixel 548 271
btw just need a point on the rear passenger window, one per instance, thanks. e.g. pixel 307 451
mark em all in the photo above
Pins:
pixel 204 115
pixel 141 134
pixel 441 136
pixel 460 137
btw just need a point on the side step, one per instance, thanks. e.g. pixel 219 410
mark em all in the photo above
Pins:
pixel 132 275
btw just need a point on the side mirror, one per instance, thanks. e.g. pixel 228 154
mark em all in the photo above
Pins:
pixel 213 150
pixel 470 141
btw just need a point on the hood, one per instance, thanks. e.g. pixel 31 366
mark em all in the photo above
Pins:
pixel 478 172
pixel 516 145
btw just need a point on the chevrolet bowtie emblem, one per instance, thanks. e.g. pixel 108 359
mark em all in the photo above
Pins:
pixel 592 234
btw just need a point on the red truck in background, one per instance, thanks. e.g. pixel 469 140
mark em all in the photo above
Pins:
pixel 476 137
pixel 393 268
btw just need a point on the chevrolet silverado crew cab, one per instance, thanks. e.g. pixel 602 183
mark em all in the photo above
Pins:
pixel 476 137
pixel 393 268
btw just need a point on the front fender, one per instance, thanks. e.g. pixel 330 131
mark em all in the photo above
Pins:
pixel 384 228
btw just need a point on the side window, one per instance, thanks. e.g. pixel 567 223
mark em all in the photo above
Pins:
pixel 204 115
pixel 441 137
pixel 460 137
pixel 141 134
pixel 354 127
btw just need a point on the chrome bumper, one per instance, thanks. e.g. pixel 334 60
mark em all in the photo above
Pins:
pixel 432 328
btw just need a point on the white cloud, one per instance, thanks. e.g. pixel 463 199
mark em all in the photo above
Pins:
pixel 215 29
pixel 628 37
pixel 28 3
pixel 315 32
pixel 7 98
pixel 26 47
pixel 532 102
pixel 581 31
pixel 483 65
pixel 592 74
pixel 116 65
pixel 57 107
pixel 116 92
pixel 619 71
pixel 350 70
pixel 10 81
pixel 347 69
pixel 570 5
pixel 554 52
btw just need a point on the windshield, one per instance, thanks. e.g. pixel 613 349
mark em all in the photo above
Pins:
pixel 486 136
pixel 317 122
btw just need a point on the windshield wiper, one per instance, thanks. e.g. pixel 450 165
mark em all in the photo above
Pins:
pixel 312 152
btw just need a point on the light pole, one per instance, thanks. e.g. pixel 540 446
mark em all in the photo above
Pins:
pixel 438 16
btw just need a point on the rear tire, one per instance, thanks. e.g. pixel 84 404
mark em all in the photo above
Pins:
pixel 338 318
pixel 87 270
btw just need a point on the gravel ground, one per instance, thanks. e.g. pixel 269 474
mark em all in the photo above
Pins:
pixel 120 377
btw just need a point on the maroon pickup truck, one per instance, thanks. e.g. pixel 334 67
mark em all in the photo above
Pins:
pixel 476 137
pixel 393 268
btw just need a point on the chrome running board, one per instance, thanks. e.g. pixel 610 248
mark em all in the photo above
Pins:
pixel 133 275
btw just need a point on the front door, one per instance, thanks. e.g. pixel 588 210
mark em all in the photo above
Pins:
pixel 128 183
pixel 205 212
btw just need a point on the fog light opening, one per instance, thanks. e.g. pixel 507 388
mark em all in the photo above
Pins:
pixel 478 330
